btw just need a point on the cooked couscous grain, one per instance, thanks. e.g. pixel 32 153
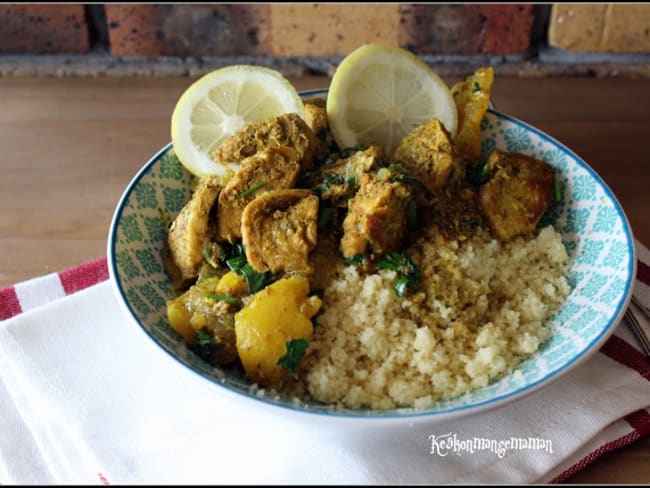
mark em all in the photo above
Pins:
pixel 482 308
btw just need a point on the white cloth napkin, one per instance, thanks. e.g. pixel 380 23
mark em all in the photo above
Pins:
pixel 85 397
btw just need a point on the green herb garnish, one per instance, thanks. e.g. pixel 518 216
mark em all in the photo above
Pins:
pixel 222 298
pixel 295 351
pixel 253 189
pixel 408 273
pixel 352 180
pixel 476 87
pixel 557 191
pixel 236 264
pixel 329 180
pixel 399 175
pixel 478 174
pixel 254 279
pixel 400 286
pixel 211 252
pixel 357 259
pixel 204 345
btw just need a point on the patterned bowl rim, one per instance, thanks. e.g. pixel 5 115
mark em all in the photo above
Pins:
pixel 409 414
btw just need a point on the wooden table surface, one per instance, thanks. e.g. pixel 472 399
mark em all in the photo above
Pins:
pixel 69 147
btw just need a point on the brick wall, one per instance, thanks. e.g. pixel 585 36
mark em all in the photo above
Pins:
pixel 292 30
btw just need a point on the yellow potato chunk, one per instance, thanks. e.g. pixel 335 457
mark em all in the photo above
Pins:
pixel 278 314
pixel 472 96
pixel 232 284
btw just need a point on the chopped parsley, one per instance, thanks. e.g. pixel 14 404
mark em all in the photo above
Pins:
pixel 255 280
pixel 399 175
pixel 476 87
pixel 478 174
pixel 204 345
pixel 357 259
pixel 295 351
pixel 408 273
pixel 329 179
pixel 253 189
pixel 221 298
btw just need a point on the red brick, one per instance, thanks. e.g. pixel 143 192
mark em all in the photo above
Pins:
pixel 43 29
pixel 466 29
pixel 188 30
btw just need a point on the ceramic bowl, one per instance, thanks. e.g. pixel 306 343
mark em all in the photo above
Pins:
pixel 594 229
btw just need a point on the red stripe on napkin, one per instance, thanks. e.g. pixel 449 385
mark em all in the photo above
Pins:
pixel 622 352
pixel 643 272
pixel 9 304
pixel 84 275
pixel 591 457
pixel 640 421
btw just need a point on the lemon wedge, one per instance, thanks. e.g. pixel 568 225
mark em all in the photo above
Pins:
pixel 221 103
pixel 378 94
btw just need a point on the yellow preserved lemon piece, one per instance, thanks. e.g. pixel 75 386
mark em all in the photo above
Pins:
pixel 378 94
pixel 221 103
pixel 275 320
pixel 472 96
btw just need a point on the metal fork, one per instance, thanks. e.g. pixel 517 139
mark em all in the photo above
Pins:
pixel 638 331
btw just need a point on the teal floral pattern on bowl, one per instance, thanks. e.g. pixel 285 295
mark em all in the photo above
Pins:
pixel 593 227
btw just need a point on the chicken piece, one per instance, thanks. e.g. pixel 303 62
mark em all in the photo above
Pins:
pixel 376 217
pixel 287 130
pixel 472 97
pixel 279 230
pixel 184 247
pixel 517 195
pixel 269 169
pixel 427 153
pixel 316 115
pixel 316 118
pixel 341 179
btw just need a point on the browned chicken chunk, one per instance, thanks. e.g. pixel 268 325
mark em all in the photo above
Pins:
pixel 427 153
pixel 279 230
pixel 287 130
pixel 267 170
pixel 341 179
pixel 316 115
pixel 188 232
pixel 517 195
pixel 376 217
pixel 316 118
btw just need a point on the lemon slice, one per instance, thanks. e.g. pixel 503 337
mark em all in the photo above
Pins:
pixel 378 94
pixel 221 103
